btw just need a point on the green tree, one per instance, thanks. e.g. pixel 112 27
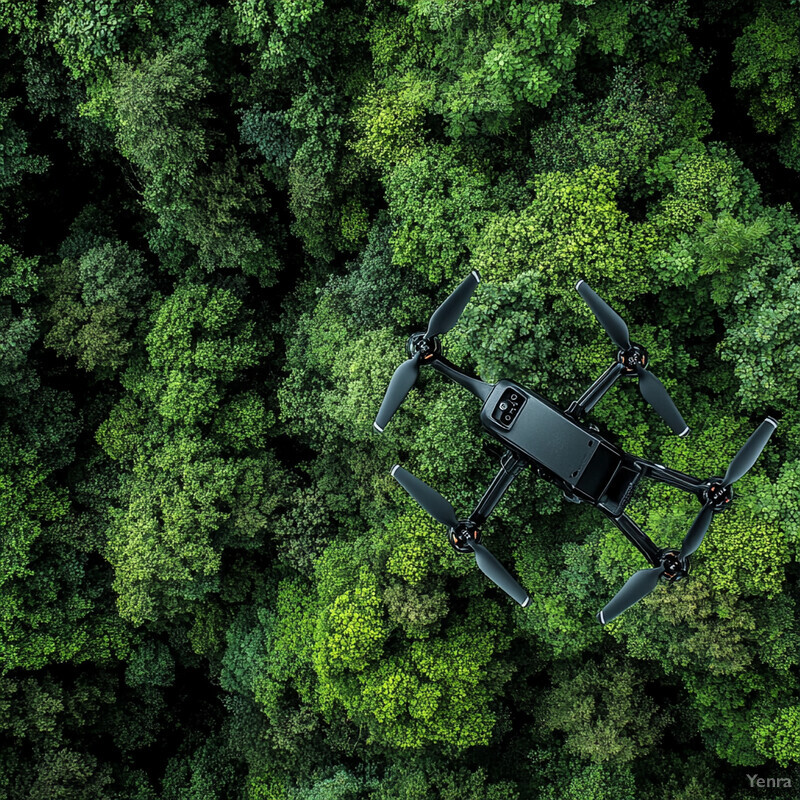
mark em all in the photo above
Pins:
pixel 604 712
pixel 95 304
pixel 188 495
pixel 158 104
pixel 767 59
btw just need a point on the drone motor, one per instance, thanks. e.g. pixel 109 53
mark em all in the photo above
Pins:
pixel 465 533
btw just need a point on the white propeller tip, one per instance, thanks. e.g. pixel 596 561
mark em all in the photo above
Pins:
pixel 579 283
pixel 377 427
pixel 476 275
pixel 394 469
pixel 684 432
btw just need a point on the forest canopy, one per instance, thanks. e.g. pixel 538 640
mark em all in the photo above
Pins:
pixel 219 224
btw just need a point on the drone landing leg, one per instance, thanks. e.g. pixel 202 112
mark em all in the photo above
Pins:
pixel 638 538
pixel 510 466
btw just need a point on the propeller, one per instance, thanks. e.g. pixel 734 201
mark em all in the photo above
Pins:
pixel 650 386
pixel 639 585
pixel 430 500
pixel 719 494
pixel 615 326
pixel 449 312
pixel 441 510
pixel 403 379
pixel 673 565
pixel 442 320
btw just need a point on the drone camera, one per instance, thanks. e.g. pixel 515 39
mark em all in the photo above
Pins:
pixel 511 403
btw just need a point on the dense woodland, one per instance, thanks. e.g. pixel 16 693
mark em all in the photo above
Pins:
pixel 219 223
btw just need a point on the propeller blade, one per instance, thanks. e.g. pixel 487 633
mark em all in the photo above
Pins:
pixel 740 464
pixel 749 452
pixel 498 574
pixel 606 316
pixel 694 538
pixel 654 392
pixel 404 377
pixel 448 313
pixel 639 585
pixel 428 498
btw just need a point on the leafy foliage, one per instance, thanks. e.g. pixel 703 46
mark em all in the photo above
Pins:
pixel 219 224
pixel 766 57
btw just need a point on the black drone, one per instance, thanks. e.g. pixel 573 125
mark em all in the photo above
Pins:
pixel 573 456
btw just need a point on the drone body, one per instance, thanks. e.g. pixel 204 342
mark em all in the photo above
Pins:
pixel 566 452
pixel 530 425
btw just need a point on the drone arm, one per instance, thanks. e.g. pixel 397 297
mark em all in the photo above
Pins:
pixel 638 538
pixel 478 387
pixel 595 392
pixel 510 466
pixel 672 477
